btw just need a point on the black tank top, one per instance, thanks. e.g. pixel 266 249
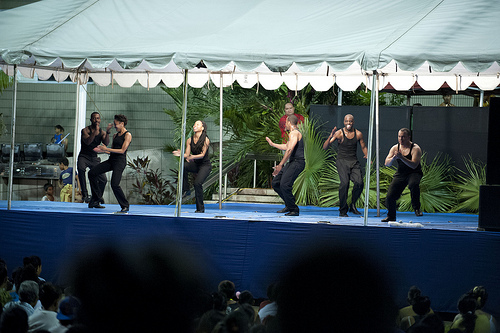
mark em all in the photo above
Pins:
pixel 118 141
pixel 403 169
pixel 88 149
pixel 197 151
pixel 348 148
pixel 298 151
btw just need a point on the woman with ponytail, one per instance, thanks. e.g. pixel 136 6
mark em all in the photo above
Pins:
pixel 197 161
pixel 468 320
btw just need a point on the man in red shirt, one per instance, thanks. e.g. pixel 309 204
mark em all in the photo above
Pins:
pixel 289 110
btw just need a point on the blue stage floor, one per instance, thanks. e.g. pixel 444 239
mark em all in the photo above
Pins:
pixel 265 212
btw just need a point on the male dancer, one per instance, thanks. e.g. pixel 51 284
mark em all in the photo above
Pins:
pixel 285 175
pixel 92 136
pixel 408 154
pixel 116 162
pixel 348 166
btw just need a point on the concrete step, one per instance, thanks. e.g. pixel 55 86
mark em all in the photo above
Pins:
pixel 255 199
pixel 255 195
pixel 257 191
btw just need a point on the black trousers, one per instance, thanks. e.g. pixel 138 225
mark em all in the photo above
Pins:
pixel 283 183
pixel 349 171
pixel 117 166
pixel 202 170
pixel 84 162
pixel 398 184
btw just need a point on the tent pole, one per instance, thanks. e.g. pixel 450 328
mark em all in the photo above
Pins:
pixel 12 141
pixel 183 147
pixel 339 98
pixel 75 143
pixel 377 145
pixel 481 98
pixel 370 142
pixel 220 140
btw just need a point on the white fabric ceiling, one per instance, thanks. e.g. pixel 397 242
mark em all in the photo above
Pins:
pixel 266 42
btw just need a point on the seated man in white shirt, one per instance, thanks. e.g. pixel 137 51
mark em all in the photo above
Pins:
pixel 45 318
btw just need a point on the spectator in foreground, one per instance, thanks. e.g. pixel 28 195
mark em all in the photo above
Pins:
pixel 332 289
pixel 45 318
pixel 468 320
pixel 227 288
pixel 28 296
pixel 481 296
pixel 139 287
pixel 67 314
pixel 14 320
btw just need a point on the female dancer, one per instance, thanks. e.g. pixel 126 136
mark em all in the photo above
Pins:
pixel 197 161
pixel 117 162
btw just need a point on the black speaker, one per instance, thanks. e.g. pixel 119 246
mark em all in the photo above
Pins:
pixel 489 197
pixel 493 154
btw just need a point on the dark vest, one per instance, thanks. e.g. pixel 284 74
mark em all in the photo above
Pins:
pixel 118 141
pixel 403 169
pixel 348 148
pixel 197 151
pixel 88 149
pixel 298 151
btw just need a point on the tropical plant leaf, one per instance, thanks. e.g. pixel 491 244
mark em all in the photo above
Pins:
pixel 436 193
pixel 467 186
pixel 305 188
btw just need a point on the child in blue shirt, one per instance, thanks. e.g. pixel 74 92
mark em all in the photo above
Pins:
pixel 66 181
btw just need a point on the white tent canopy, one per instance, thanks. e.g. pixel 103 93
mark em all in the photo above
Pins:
pixel 256 42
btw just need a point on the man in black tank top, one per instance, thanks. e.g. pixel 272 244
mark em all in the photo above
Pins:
pixel 92 136
pixel 408 155
pixel 285 175
pixel 116 162
pixel 348 166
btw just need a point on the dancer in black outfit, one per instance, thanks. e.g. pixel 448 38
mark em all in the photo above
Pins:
pixel 92 136
pixel 117 162
pixel 284 177
pixel 348 166
pixel 197 161
pixel 408 154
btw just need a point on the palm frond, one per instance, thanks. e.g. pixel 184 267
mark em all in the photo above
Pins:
pixel 468 184
pixel 305 188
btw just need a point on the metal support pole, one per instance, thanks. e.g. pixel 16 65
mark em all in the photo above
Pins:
pixel 339 99
pixel 481 98
pixel 255 173
pixel 220 139
pixel 377 145
pixel 12 141
pixel 75 143
pixel 225 185
pixel 370 143
pixel 178 204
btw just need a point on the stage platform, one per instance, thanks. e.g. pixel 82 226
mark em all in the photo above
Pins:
pixel 443 254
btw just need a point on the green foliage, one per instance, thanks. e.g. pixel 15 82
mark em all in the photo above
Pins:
pixel 201 104
pixel 436 193
pixel 150 185
pixel 468 185
pixel 5 81
pixel 305 188
pixel 3 127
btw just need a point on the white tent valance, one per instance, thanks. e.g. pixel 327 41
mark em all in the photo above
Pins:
pixel 323 79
